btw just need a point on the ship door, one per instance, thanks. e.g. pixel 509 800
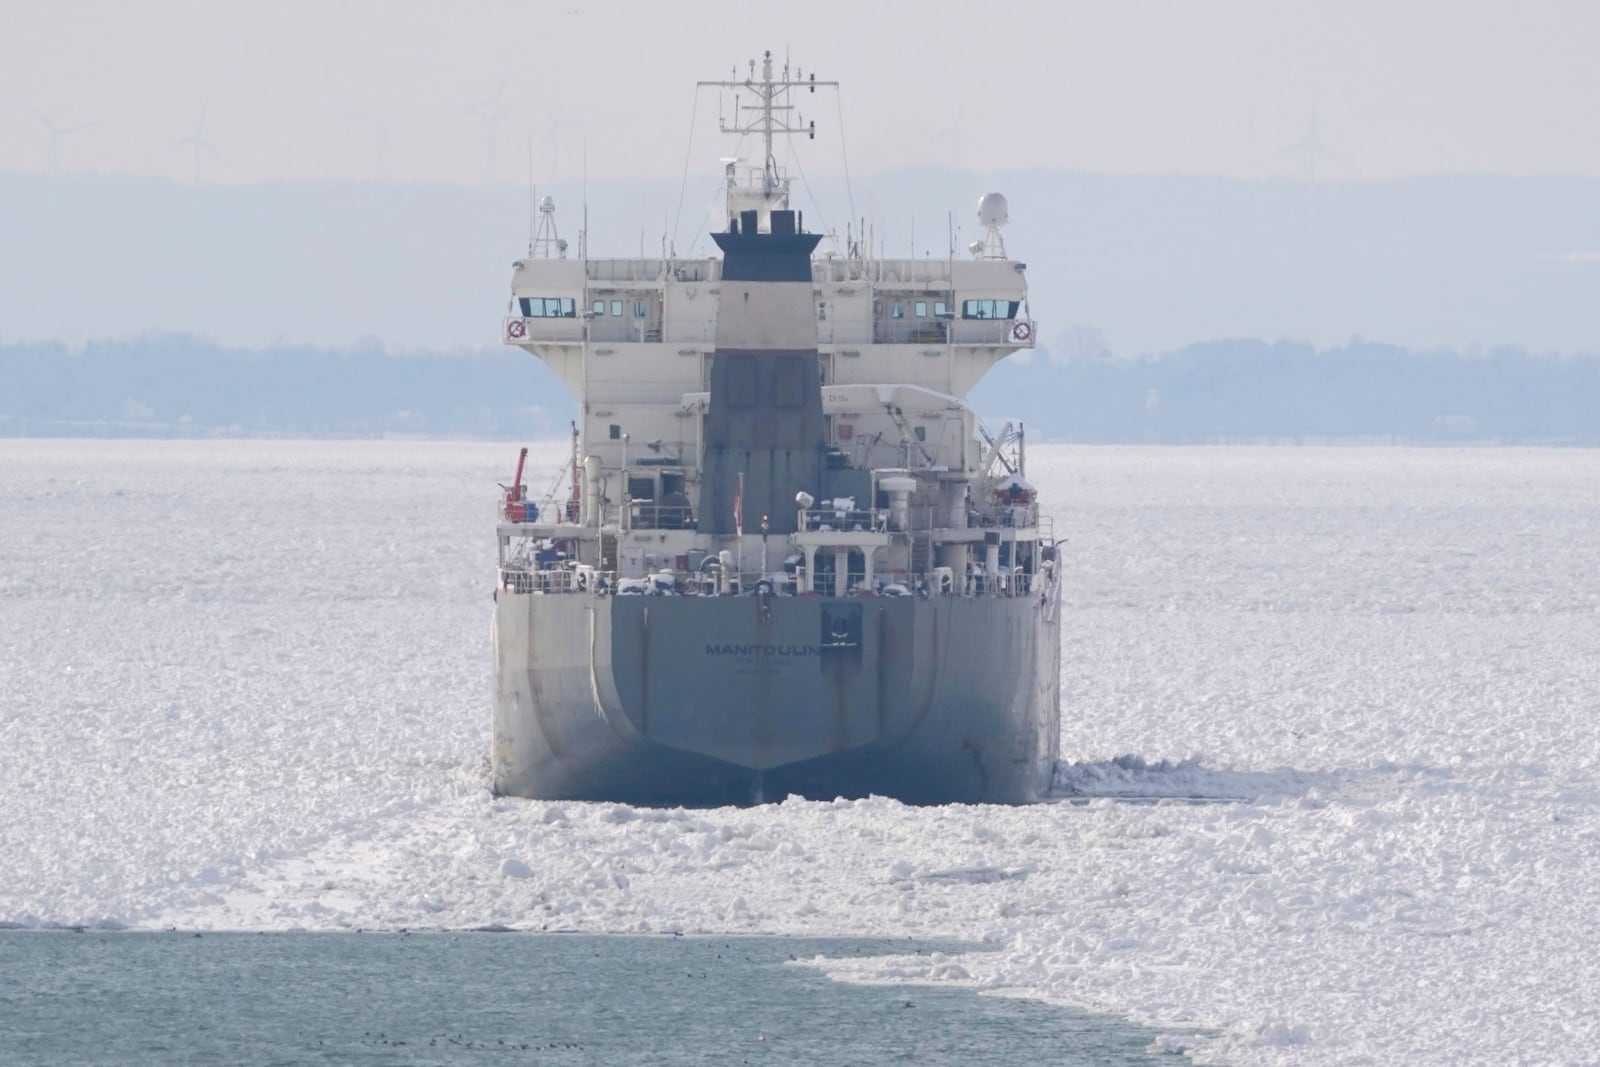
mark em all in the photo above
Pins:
pixel 841 627
pixel 672 511
pixel 642 501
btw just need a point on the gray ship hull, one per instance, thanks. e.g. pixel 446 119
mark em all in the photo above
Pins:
pixel 707 700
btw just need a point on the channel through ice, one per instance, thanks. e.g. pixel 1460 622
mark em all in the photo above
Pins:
pixel 1329 791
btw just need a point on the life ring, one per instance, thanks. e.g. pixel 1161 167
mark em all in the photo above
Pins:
pixel 516 329
pixel 1021 331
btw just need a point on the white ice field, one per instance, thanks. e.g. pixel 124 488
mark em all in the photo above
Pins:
pixel 246 685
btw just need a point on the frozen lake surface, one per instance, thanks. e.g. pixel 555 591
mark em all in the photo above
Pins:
pixel 246 686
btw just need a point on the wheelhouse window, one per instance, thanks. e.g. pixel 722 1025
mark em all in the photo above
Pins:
pixel 990 309
pixel 548 307
pixel 616 308
pixel 922 309
pixel 940 310
pixel 898 311
pixel 638 309
pixel 598 308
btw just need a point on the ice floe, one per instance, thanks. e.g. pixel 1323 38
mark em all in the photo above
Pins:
pixel 1330 791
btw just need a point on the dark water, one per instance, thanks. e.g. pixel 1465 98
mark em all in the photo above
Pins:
pixel 438 998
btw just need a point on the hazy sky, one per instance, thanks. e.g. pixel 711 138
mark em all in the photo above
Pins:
pixel 429 91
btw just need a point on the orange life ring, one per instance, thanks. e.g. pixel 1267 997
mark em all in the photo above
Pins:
pixel 1021 331
pixel 516 329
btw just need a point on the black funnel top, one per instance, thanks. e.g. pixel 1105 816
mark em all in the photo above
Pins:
pixel 784 255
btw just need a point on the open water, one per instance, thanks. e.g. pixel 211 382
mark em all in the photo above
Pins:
pixel 477 998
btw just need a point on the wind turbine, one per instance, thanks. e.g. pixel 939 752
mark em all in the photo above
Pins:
pixel 1311 148
pixel 56 133
pixel 492 112
pixel 552 140
pixel 373 125
pixel 201 145
pixel 955 138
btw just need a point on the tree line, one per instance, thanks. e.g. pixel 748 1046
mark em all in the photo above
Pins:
pixel 1219 391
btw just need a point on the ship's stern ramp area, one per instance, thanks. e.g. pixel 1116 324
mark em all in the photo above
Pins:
pixel 705 700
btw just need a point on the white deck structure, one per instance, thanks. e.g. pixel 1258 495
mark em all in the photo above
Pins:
pixel 901 342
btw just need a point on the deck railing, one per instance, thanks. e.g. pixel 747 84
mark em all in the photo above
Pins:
pixel 608 328
pixel 1007 516
pixel 649 515
pixel 565 580
pixel 1018 333
pixel 911 331
pixel 1014 333
pixel 834 519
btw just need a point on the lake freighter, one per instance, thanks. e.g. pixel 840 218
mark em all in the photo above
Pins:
pixel 791 559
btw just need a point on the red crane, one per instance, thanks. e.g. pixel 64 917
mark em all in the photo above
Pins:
pixel 516 493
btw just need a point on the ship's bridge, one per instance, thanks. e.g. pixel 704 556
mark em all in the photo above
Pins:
pixel 858 302
pixel 631 339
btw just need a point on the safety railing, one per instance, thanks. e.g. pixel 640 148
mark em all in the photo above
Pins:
pixel 586 581
pixel 911 331
pixel 636 270
pixel 1007 516
pixel 830 519
pixel 648 515
pixel 977 582
pixel 1018 333
pixel 549 510
pixel 607 328
pixel 518 330
pixel 838 271
pixel 518 579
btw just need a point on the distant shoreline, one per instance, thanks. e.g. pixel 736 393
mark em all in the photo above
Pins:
pixel 1242 391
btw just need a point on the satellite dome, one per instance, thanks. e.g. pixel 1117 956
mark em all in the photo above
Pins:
pixel 992 210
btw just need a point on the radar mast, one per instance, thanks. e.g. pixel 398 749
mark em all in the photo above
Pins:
pixel 547 243
pixel 993 214
pixel 771 116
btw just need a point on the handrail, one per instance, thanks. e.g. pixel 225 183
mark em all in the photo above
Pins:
pixel 567 580
pixel 1018 516
pixel 826 519
pixel 549 511
pixel 649 515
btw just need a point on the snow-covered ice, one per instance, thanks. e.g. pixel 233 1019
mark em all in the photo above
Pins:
pixel 246 685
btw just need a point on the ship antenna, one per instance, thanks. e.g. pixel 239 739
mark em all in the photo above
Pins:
pixel 844 152
pixel 530 195
pixel 688 153
pixel 770 116
pixel 769 180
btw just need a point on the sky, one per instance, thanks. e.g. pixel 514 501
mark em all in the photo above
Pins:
pixel 406 90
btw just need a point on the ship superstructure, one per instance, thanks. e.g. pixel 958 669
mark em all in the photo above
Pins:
pixel 791 559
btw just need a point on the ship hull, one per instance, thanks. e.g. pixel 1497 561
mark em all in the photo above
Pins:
pixel 708 700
